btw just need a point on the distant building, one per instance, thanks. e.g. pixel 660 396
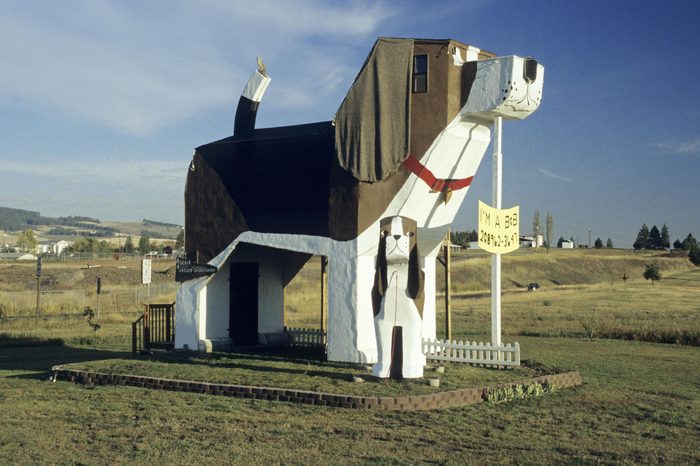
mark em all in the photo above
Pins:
pixel 567 244
pixel 43 248
pixel 17 256
pixel 60 246
pixel 531 242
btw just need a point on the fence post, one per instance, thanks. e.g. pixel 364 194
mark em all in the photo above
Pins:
pixel 168 315
pixel 146 328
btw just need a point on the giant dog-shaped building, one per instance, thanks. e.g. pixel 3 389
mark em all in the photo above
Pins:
pixel 406 141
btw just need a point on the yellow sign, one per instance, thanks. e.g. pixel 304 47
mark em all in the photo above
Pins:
pixel 499 232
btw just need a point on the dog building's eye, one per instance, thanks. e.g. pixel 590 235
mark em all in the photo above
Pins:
pixel 410 233
pixel 384 233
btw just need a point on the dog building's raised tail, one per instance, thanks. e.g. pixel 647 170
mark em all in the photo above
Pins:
pixel 250 100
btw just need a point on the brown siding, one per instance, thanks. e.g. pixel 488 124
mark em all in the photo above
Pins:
pixel 212 219
pixel 429 109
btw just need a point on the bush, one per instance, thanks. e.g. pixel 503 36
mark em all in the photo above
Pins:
pixel 694 255
pixel 652 272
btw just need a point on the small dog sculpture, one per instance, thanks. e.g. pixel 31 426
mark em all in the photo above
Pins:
pixel 397 298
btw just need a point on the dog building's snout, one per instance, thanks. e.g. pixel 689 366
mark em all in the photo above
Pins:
pixel 530 70
pixel 396 237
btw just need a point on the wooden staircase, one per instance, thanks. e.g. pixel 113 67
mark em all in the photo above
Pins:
pixel 154 329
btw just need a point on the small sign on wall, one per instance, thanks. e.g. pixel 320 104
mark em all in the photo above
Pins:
pixel 499 230
pixel 187 269
pixel 146 271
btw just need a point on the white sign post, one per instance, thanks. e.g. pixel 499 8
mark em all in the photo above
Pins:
pixel 499 233
pixel 497 178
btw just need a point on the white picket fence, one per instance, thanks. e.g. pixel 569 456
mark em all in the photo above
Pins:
pixel 472 352
pixel 305 336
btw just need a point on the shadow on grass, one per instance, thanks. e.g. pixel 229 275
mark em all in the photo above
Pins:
pixel 32 358
pixel 246 359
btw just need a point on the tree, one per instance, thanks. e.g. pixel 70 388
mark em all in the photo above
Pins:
pixel 665 238
pixel 549 229
pixel 677 244
pixel 654 238
pixel 642 241
pixel 27 240
pixel 90 245
pixel 598 243
pixel 688 242
pixel 694 254
pixel 536 226
pixel 144 245
pixel 129 245
pixel 652 272
pixel 463 238
pixel 180 239
pixel 609 244
pixel 560 242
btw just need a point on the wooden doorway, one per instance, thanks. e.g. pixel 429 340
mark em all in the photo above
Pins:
pixel 243 303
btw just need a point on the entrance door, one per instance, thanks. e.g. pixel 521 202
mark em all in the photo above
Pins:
pixel 243 312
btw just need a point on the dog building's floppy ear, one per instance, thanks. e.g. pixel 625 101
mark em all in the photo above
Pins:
pixel 372 125
pixel 380 279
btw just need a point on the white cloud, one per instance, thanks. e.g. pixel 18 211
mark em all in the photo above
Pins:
pixel 549 174
pixel 135 68
pixel 680 148
pixel 123 171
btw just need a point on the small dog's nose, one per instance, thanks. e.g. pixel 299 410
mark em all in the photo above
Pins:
pixel 396 237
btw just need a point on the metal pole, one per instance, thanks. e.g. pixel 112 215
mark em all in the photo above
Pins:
pixel 496 258
pixel 37 296
pixel 324 271
pixel 448 284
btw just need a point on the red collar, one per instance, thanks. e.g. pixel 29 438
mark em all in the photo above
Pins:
pixel 436 184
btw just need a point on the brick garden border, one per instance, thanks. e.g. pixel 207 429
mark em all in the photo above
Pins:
pixel 447 399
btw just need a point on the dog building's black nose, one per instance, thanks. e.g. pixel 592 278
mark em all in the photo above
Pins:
pixel 530 70
pixel 396 237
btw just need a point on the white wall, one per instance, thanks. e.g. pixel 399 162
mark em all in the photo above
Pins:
pixel 270 296
pixel 217 305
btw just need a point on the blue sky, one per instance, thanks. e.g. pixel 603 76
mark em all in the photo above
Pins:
pixel 102 103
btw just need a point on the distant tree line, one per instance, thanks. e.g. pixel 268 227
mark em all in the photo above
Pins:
pixel 154 234
pixel 19 219
pixel 155 223
pixel 91 245
pixel 652 239
pixel 656 239
pixel 94 230
pixel 463 238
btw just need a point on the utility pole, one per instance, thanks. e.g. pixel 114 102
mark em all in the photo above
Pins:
pixel 589 237
pixel 38 279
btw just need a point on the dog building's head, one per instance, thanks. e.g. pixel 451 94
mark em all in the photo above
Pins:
pixel 397 243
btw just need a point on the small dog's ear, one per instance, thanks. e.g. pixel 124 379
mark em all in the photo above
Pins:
pixel 380 284
pixel 415 274
pixel 416 279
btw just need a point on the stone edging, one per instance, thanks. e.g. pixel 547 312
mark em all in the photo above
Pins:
pixel 447 399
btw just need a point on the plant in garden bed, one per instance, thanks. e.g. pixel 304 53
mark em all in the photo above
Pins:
pixel 520 391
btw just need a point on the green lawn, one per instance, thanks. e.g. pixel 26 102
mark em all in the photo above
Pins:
pixel 292 370
pixel 639 404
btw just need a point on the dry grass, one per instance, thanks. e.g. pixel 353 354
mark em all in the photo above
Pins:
pixel 638 405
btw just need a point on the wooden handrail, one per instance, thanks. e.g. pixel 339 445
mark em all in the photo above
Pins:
pixel 156 326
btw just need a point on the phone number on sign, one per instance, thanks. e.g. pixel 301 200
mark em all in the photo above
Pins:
pixel 498 241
